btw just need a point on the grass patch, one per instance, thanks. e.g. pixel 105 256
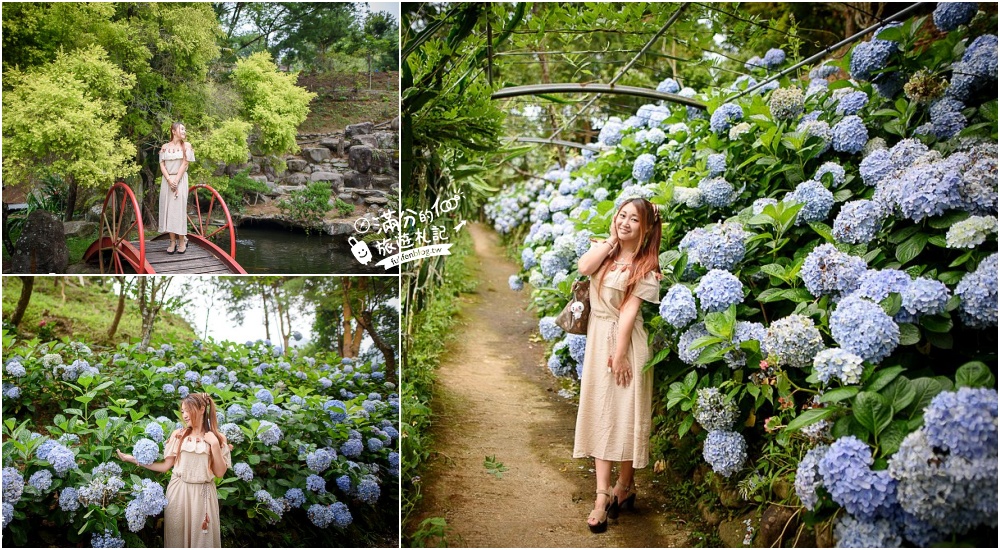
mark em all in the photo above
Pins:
pixel 86 313
pixel 422 359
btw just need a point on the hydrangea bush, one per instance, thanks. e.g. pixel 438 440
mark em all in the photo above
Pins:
pixel 829 264
pixel 317 459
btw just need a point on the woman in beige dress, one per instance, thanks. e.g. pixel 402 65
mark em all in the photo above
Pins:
pixel 174 158
pixel 197 453
pixel 614 418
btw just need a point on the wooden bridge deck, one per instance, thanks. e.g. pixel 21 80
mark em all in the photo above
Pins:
pixel 194 260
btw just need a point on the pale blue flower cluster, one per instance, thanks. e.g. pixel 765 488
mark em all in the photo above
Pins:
pixel 515 283
pixel 947 119
pixel 847 475
pixel 146 451
pixel 807 478
pixel 816 201
pixel 863 328
pixel 368 491
pixel 718 290
pixel 577 346
pixel 15 368
pixel 669 86
pixel 11 391
pixel 758 205
pixel 41 480
pixel 714 410
pixel 717 191
pixel 258 410
pixel 834 169
pixel 678 308
pixel 69 499
pixel 948 16
pixel 877 284
pixel 851 103
pixel 794 340
pixel 817 128
pixel 876 166
pixel 295 497
pixel 611 132
pixel 62 459
pixel 269 433
pixel 548 328
pixel 243 471
pixel 352 448
pixel 316 483
pixel 857 222
pixel 850 532
pixel 773 58
pixel 978 291
pixel 13 485
pixel 716 164
pixel 643 167
pixel 925 296
pixel 837 363
pixel 264 396
pixel 827 270
pixel 684 350
pixel 977 71
pixel 929 188
pixel 786 103
pixel 148 500
pixel 106 540
pixel 823 72
pixel 870 57
pixel 964 422
pixel 849 135
pixel 725 116
pixel 725 452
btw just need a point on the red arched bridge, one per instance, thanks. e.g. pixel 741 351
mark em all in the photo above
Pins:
pixel 122 246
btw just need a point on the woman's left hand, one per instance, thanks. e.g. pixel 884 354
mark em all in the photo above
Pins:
pixel 622 371
pixel 211 439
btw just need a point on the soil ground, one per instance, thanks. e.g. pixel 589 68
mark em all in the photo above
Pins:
pixel 344 99
pixel 495 397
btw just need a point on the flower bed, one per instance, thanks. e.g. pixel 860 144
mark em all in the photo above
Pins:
pixel 830 276
pixel 314 439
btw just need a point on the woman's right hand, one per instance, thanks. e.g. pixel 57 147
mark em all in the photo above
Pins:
pixel 129 459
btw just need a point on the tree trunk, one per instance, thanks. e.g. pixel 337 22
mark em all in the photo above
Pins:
pixel 365 320
pixel 120 309
pixel 71 199
pixel 27 283
pixel 7 243
pixel 348 348
pixel 150 303
pixel 267 324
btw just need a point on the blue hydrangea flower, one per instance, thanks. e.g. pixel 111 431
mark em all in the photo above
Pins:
pixel 258 410
pixel 549 329
pixel 773 58
pixel 947 119
pixel 642 169
pixel 374 444
pixel 149 500
pixel 321 516
pixel 948 16
pixel 863 328
pixel 146 451
pixel 834 169
pixel 725 116
pixel 684 350
pixel 268 433
pixel 654 136
pixel 929 189
pixel 758 205
pixel 817 128
pixel 807 478
pixel 827 270
pixel 69 499
pixel 877 284
pixel 925 297
pixel 725 452
pixel 62 459
pixel 316 484
pixel 963 422
pixel 714 410
pixel 816 201
pixel 754 62
pixel 718 290
pixel 978 291
pixel 716 164
pixel 577 345
pixel 850 532
pixel 11 391
pixel 15 368
pixel 41 480
pixel 183 391
pixel 669 86
pixel 717 192
pixel 611 133
pixel 847 475
pixel 869 57
pixel 857 222
pixel 368 491
pixel 107 539
pixel 352 448
pixel 236 413
pixel 264 396
pixel 794 340
pixel 719 246
pixel 341 515
pixel 295 497
pixel 528 258
pixel 515 283
pixel 837 363
pixel 850 135
pixel 678 308
pixel 8 513
pixel 243 471
pixel 13 485
pixel 851 103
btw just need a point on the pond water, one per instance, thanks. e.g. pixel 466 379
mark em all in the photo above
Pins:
pixel 263 249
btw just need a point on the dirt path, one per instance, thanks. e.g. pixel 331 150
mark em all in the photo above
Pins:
pixel 495 396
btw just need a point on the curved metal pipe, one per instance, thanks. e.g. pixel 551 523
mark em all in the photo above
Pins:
pixel 576 88
pixel 560 142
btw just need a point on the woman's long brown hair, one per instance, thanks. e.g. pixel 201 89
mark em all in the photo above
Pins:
pixel 647 257
pixel 173 127
pixel 209 419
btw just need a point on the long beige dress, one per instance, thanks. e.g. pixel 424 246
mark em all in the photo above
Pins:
pixel 613 423
pixel 173 209
pixel 191 494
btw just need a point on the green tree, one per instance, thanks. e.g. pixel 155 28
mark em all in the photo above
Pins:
pixel 271 102
pixel 63 118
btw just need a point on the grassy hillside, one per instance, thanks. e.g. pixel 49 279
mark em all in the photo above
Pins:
pixel 347 99
pixel 85 313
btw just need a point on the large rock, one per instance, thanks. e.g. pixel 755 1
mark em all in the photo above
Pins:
pixel 260 178
pixel 733 531
pixel 386 140
pixel 41 248
pixel 773 522
pixel 394 125
pixel 368 140
pixel 358 129
pixel 361 158
pixel 297 165
pixel 383 181
pixel 335 229
pixel 296 178
pixel 316 154
pixel 93 213
pixel 79 229
pixel 377 200
pixel 335 179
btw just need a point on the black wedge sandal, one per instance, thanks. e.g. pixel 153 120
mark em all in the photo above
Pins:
pixel 601 516
pixel 628 502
